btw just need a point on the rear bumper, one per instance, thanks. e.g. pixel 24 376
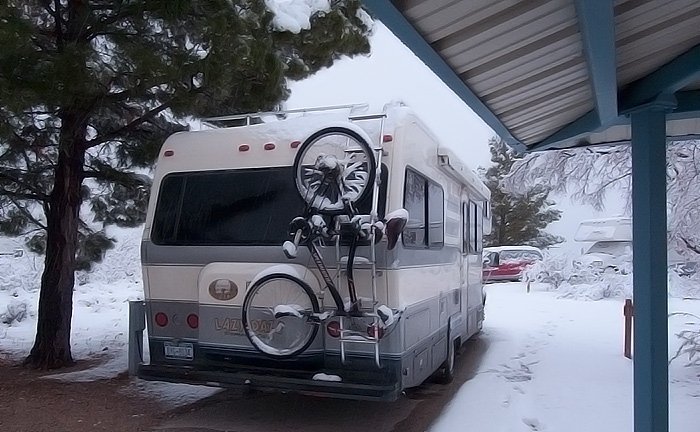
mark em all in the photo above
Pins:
pixel 230 367
pixel 279 381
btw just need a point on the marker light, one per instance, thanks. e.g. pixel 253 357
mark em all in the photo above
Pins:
pixel 161 319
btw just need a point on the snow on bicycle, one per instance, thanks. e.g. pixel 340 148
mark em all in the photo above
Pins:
pixel 324 251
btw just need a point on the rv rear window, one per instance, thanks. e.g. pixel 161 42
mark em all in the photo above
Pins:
pixel 231 207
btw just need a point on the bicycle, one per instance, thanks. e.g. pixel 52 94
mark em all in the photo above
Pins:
pixel 334 169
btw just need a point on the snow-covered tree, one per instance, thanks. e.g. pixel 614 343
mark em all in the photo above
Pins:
pixel 89 90
pixel 518 217
pixel 587 174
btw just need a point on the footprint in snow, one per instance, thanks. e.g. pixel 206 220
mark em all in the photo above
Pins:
pixel 533 424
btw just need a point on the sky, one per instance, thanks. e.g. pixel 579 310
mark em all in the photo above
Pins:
pixel 393 72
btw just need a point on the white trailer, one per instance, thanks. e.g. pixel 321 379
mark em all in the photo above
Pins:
pixel 219 212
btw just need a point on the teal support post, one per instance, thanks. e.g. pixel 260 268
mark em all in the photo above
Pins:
pixel 650 268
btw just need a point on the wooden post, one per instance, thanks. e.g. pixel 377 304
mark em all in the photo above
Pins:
pixel 628 311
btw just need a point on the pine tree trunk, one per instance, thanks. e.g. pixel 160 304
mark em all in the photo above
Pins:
pixel 502 229
pixel 52 344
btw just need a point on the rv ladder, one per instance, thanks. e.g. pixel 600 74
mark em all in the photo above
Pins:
pixel 353 336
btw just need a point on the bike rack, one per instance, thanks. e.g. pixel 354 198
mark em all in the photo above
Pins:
pixel 348 336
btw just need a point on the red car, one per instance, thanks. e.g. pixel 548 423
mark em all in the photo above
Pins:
pixel 508 262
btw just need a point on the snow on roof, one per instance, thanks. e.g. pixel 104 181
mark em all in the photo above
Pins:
pixel 610 220
pixel 605 229
pixel 300 123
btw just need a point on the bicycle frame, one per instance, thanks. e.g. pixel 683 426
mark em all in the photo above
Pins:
pixel 330 285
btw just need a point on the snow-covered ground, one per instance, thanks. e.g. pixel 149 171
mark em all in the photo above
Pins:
pixel 556 364
pixel 554 359
pixel 100 300
pixel 100 314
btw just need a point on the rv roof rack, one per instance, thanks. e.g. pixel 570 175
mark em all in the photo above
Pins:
pixel 248 116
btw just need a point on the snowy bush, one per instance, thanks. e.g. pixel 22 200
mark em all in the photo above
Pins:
pixel 683 286
pixel 551 271
pixel 690 340
pixel 597 286
pixel 16 311
pixel 557 274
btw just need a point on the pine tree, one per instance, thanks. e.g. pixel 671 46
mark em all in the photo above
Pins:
pixel 89 90
pixel 517 219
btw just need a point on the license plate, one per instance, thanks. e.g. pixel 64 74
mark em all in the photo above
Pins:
pixel 182 351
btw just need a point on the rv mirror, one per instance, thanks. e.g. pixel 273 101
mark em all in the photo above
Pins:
pixel 492 260
pixel 395 223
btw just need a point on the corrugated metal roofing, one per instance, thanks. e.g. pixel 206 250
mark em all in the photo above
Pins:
pixel 526 62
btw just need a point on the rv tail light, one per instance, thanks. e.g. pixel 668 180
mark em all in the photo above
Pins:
pixel 333 329
pixel 269 146
pixel 193 321
pixel 295 144
pixel 161 319
pixel 388 138
pixel 375 332
pixel 243 147
pixel 168 153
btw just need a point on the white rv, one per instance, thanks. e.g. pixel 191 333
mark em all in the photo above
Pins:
pixel 611 247
pixel 220 210
pixel 612 242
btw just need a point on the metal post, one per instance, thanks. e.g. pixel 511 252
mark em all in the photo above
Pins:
pixel 628 311
pixel 137 324
pixel 650 285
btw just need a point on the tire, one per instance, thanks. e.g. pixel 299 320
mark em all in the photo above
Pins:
pixel 315 185
pixel 446 373
pixel 276 331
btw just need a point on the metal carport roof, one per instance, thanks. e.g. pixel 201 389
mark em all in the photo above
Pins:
pixel 547 74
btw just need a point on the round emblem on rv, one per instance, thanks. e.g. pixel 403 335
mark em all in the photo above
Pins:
pixel 223 289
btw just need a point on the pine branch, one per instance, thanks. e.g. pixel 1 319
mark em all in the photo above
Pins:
pixel 112 175
pixel 21 195
pixel 38 195
pixel 26 213
pixel 129 127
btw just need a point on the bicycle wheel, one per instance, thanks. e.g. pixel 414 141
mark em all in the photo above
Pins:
pixel 333 166
pixel 279 315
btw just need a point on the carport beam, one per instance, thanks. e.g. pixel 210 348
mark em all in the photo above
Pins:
pixel 650 267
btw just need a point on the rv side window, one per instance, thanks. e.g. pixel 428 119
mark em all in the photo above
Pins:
pixel 436 215
pixel 479 230
pixel 475 228
pixel 466 231
pixel 424 201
